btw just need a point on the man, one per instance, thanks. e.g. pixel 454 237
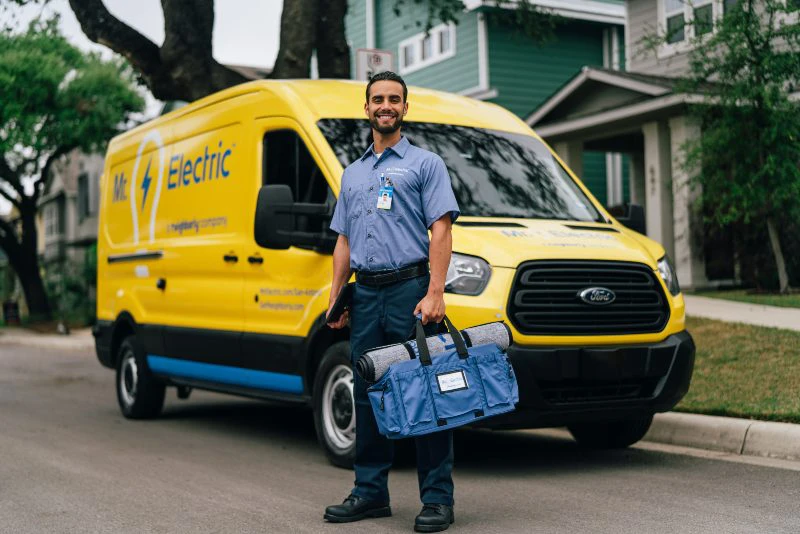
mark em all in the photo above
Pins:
pixel 390 198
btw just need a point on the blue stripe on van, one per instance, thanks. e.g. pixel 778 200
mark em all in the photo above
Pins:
pixel 225 375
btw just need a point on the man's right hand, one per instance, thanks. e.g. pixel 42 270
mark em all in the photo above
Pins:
pixel 342 322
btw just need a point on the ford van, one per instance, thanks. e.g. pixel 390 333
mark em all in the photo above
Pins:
pixel 214 263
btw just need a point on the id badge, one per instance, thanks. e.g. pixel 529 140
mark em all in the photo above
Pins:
pixel 385 197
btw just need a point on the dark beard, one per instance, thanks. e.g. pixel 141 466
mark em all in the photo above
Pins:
pixel 373 121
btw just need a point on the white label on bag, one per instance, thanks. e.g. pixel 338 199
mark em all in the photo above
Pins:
pixel 452 381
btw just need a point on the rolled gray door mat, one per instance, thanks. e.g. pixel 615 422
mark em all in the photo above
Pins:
pixel 373 364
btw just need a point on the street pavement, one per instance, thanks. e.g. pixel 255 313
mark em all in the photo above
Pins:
pixel 743 312
pixel 71 463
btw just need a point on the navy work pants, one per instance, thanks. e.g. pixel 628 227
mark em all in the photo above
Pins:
pixel 382 316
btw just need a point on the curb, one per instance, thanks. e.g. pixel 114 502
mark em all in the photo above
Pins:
pixel 727 434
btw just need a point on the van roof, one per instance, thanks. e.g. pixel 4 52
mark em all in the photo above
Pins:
pixel 345 99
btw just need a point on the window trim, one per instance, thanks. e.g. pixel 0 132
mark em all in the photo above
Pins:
pixel 415 43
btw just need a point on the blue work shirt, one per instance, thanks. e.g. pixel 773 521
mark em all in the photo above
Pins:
pixel 390 239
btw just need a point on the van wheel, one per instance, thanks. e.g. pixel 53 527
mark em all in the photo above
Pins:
pixel 334 405
pixel 611 434
pixel 139 393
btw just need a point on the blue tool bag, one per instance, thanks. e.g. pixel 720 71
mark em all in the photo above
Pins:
pixel 461 386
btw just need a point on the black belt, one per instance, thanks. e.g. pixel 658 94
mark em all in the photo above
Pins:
pixel 384 278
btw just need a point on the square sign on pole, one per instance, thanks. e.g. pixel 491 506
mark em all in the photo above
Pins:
pixel 370 61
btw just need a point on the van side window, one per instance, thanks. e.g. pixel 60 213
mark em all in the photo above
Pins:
pixel 287 161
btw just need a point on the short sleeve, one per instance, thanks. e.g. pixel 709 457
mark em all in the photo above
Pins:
pixel 438 198
pixel 339 221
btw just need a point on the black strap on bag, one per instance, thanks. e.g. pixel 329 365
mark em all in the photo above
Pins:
pixel 422 344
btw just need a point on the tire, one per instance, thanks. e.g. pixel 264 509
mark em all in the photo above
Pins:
pixel 611 434
pixel 140 395
pixel 334 405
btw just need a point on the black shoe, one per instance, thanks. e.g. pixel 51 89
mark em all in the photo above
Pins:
pixel 434 518
pixel 354 508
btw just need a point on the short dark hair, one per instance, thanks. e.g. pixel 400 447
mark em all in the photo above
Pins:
pixel 388 76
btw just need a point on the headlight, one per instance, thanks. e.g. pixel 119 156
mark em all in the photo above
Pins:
pixel 467 275
pixel 668 274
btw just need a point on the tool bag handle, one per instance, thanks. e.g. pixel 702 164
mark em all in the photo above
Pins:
pixel 422 343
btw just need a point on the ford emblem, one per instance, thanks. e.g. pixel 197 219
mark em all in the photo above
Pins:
pixel 597 296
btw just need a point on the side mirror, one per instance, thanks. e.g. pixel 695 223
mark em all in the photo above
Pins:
pixel 630 215
pixel 276 221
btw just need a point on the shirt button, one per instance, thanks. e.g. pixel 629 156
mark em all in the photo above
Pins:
pixel 369 235
pixel 369 212
pixel 371 188
pixel 371 259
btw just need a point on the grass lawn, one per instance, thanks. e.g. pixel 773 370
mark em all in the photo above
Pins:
pixel 742 295
pixel 744 371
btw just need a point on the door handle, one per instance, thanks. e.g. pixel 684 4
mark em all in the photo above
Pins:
pixel 230 258
pixel 161 284
pixel 255 260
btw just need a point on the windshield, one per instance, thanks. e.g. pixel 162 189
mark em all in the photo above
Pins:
pixel 494 173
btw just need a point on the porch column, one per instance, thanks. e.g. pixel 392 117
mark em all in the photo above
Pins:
pixel 636 178
pixel 572 154
pixel 689 257
pixel 657 190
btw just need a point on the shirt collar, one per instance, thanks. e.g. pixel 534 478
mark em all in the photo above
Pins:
pixel 400 148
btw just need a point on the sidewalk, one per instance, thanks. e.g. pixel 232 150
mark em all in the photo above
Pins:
pixel 742 312
pixel 79 339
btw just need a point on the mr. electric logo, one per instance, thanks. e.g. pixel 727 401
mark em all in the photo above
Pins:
pixel 146 183
pixel 195 167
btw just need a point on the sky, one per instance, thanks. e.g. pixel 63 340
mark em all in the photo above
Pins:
pixel 246 32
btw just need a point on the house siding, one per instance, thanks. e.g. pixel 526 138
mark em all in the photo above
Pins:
pixel 521 90
pixel 455 74
pixel 355 27
pixel 643 21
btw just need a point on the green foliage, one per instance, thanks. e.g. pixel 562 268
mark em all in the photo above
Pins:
pixel 749 151
pixel 56 96
pixel 746 159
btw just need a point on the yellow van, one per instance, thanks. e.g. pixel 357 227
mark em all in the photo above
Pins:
pixel 214 263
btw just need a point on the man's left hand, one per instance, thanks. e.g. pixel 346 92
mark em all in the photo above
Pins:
pixel 431 307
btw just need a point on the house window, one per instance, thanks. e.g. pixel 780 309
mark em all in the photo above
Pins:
pixel 84 202
pixel 703 18
pixel 684 20
pixel 51 220
pixel 408 55
pixel 423 50
pixel 676 22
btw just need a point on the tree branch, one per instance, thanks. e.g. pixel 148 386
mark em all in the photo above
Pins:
pixel 11 177
pixel 44 176
pixel 8 196
pixel 102 27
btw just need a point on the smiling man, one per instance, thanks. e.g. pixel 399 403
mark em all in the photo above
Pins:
pixel 390 198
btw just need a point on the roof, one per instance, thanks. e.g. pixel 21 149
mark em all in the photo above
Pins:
pixel 609 11
pixel 597 98
pixel 632 87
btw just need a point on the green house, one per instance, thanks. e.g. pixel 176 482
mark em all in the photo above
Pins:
pixel 484 58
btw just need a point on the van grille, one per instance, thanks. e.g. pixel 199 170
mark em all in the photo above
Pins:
pixel 545 299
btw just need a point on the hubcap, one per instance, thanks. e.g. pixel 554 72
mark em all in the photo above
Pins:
pixel 338 407
pixel 128 379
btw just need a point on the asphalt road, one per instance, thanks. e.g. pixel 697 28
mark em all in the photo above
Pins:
pixel 69 462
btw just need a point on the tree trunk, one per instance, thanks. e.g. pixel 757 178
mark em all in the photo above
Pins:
pixel 333 54
pixel 777 252
pixel 298 25
pixel 33 287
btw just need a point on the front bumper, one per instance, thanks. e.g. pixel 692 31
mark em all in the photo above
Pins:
pixel 560 386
